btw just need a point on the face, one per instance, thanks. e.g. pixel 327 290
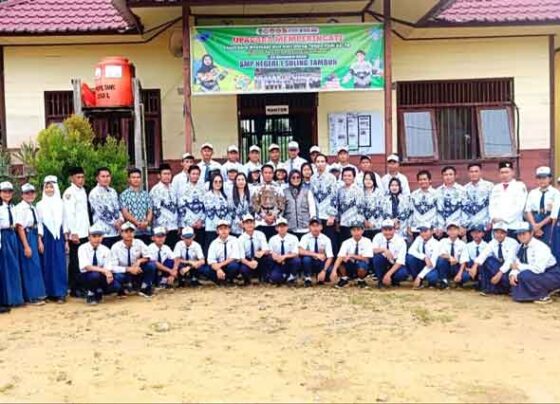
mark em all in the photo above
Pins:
pixel 357 233
pixel 525 237
pixel 281 175
pixel 477 235
pixel 207 153
pixel 254 156
pixel 194 175
pixel 188 241
pixel 343 157
pixel 315 229
pixel 207 60
pixel 240 181
pixel 127 235
pixel 424 181
pixel 104 178
pixel 49 189
pixel 282 229
pixel 321 163
pixel 394 187
pixel 543 182
pixel 165 176
pixel 368 182
pixel 78 180
pixel 448 177
pixel 135 180
pixel 158 240
pixel 256 176
pixel 268 174
pixel 306 172
pixel 233 156
pixel 388 232
pixel 29 196
pixel 217 183
pixel 453 232
pixel 360 56
pixel 6 195
pixel 249 226
pixel 313 156
pixel 348 177
pixel 293 153
pixel 295 179
pixel 500 235
pixel 365 165
pixel 95 240
pixel 506 174
pixel 274 155
pixel 223 231
pixel 426 234
pixel 392 166
pixel 231 175
pixel 474 173
pixel 186 164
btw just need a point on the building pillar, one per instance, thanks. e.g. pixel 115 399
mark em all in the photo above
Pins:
pixel 388 78
pixel 187 111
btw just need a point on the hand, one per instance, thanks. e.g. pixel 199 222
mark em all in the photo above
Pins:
pixel 259 254
pixel 537 226
pixel 453 260
pixel 221 274
pixel 539 233
pixel 143 225
pixel 417 282
pixel 513 280
pixel 387 280
pixel 429 263
pixel 41 246
pixel 497 278
pixel 389 255
pixel 108 276
pixel 473 271
pixel 409 232
pixel 320 256
pixel 458 277
pixel 275 257
pixel 515 265
pixel 134 270
pixel 253 264
pixel 173 274
pixel 330 221
pixel 439 233
pixel 117 225
pixel 367 224
pixel 75 238
pixel 321 276
pixel 28 253
pixel 347 258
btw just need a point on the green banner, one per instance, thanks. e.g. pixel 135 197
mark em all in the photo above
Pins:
pixel 278 59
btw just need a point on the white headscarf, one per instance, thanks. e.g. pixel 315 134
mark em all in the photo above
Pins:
pixel 51 208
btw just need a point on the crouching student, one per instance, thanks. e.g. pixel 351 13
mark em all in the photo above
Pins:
pixel 163 258
pixel 223 255
pixel 448 262
pixel 95 261
pixel 285 255
pixel 133 267
pixel 534 273
pixel 389 259
pixel 189 259
pixel 494 262
pixel 470 253
pixel 422 256
pixel 354 258
pixel 255 252
pixel 315 250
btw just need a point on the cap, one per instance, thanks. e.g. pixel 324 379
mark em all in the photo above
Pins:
pixel 254 148
pixel 393 157
pixel 387 224
pixel 187 232
pixel 543 171
pixel 424 226
pixel 160 231
pixel 293 145
pixel 500 226
pixel 315 149
pixel 96 230
pixel 233 149
pixel 478 227
pixel 281 221
pixel 357 225
pixel 222 223
pixel 188 156
pixel 342 149
pixel 50 179
pixel 206 146
pixel 25 188
pixel 281 166
pixel 505 164
pixel 453 224
pixel 75 170
pixel 334 167
pixel 248 217
pixel 523 227
pixel 127 226
pixel 273 146
pixel 314 220
pixel 6 186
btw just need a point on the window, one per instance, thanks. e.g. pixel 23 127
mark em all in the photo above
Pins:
pixel 60 104
pixel 456 120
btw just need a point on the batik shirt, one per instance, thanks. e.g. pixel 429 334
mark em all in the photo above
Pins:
pixel 324 187
pixel 217 208
pixel 423 208
pixel 237 212
pixel 477 202
pixel 104 202
pixel 191 205
pixel 372 208
pixel 347 203
pixel 450 203
pixel 136 202
pixel 164 204
pixel 402 213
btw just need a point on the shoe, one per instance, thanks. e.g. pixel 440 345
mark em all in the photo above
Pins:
pixel 373 277
pixel 544 300
pixel 341 283
pixel 194 283
pixel 362 284
pixel 483 293
pixel 60 300
pixel 4 309
pixel 443 284
pixel 146 292
pixel 37 302
pixel 91 300
pixel 307 283
pixel 291 279
pixel 121 294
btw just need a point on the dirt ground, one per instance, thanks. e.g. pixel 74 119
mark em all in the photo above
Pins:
pixel 283 345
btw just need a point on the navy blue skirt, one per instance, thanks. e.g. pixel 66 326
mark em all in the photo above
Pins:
pixel 54 265
pixel 532 286
pixel 11 291
pixel 31 271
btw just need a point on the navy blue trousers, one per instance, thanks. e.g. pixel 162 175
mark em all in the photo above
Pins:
pixel 280 273
pixel 312 266
pixel 415 266
pixel 447 271
pixel 381 266
pixel 490 268
pixel 532 286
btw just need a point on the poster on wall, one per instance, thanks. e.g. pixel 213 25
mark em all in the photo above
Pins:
pixel 362 132
pixel 284 59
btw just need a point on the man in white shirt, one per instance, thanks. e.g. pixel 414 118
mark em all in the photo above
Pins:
pixel 206 164
pixel 393 165
pixel 254 163
pixel 232 161
pixel 449 255
pixel 389 260
pixel 495 262
pixel 471 252
pixel 422 256
pixel 534 273
pixel 224 255
pixel 180 180
pixel 540 202
pixel 354 258
pixel 274 155
pixel 315 250
pixel 163 258
pixel 294 161
pixel 189 259
pixel 255 253
pixel 364 167
pixel 343 159
pixel 285 255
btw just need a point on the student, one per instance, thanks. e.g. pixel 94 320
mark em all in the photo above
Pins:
pixel 423 207
pixel 306 174
pixel 207 165
pixel 477 192
pixel 191 206
pixel 232 161
pixel 95 262
pixel 315 250
pixel 334 169
pixel 268 203
pixel 216 209
pixel 422 256
pixel 239 203
pixel 300 205
pixel 343 159
pixel 450 202
pixel 507 199
pixel 164 205
pixel 364 167
pixel 163 259
pixel 104 202
pixel 540 202
pixel 393 165
pixel 495 262
pixel 372 204
pixel 448 263
pixel 224 255
pixel 133 266
pixel 11 291
pixel 51 216
pixel 396 206
pixel 285 255
pixel 255 252
pixel 389 259
pixel 76 219
pixel 189 259
pixel 314 151
pixel 229 180
pixel 348 202
pixel 136 205
pixel 534 273
pixel 354 257
pixel 281 176
pixel 274 156
pixel 254 162
pixel 294 161
pixel 180 181
pixel 471 252
pixel 30 247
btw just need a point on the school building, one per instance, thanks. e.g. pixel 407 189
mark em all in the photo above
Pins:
pixel 465 80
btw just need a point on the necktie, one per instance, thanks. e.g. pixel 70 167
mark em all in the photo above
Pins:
pixel 94 261
pixel 10 216
pixel 506 185
pixel 477 253
pixel 316 244
pixel 225 250
pixel 159 255
pixel 388 243
pixel 129 258
pixel 500 252
pixel 252 251
pixel 357 249
pixel 291 165
pixel 522 254
pixel 187 253
pixel 282 249
pixel 453 249
pixel 207 173
pixel 541 205
pixel 34 216
pixel 424 248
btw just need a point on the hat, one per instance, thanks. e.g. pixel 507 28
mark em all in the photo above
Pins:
pixel 543 171
pixel 25 188
pixel 50 179
pixel 273 146
pixel 500 226
pixel 248 217
pixel 393 157
pixel 334 167
pixel 75 170
pixel 127 226
pixel 281 221
pixel 96 230
pixel 342 149
pixel 188 156
pixel 222 223
pixel 281 166
pixel 478 227
pixel 357 225
pixel 293 145
pixel 254 148
pixel 206 146
pixel 160 231
pixel 523 227
pixel 314 220
pixel 452 224
pixel 315 149
pixel 233 149
pixel 187 232
pixel 388 224
pixel 6 186
pixel 505 164
pixel 424 226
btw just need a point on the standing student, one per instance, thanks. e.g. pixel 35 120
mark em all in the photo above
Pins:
pixel 306 174
pixel 354 257
pixel 255 252
pixel 189 259
pixel 285 255
pixel 364 167
pixel 477 192
pixel 207 165
pixel 274 156
pixel 104 202
pixel 450 202
pixel 11 291
pixel 389 259
pixel 423 206
pixel 534 273
pixel 30 247
pixel 254 162
pixel 422 256
pixel 396 206
pixel 180 180
pixel 315 250
pixel 216 209
pixel 348 203
pixel 372 204
pixel 136 205
pixel 164 206
pixel 51 215
pixel 76 219
pixel 268 203
pixel 343 159
pixel 300 205
pixel 281 176
pixel 448 263
pixel 471 252
pixel 224 255
pixel 191 206
pixel 163 259
pixel 254 180
pixel 314 151
pixel 294 161
pixel 393 165
pixel 232 162
pixel 240 203
pixel 540 202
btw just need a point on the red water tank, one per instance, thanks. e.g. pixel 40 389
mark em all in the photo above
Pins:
pixel 113 83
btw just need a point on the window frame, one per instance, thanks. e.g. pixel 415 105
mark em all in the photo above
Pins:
pixel 480 135
pixel 402 135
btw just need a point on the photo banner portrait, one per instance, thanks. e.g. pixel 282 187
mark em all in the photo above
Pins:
pixel 283 59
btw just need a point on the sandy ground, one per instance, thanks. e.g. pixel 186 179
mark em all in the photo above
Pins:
pixel 283 345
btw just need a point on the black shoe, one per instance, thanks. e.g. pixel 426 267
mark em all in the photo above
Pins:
pixel 99 297
pixel 91 300
pixel 307 283
pixel 146 292
pixel 4 309
pixel 362 284
pixel 121 294
pixel 341 283
pixel 443 284
pixel 195 283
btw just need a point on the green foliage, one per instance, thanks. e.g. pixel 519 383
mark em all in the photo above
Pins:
pixel 71 144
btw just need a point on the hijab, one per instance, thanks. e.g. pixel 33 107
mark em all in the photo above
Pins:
pixel 51 208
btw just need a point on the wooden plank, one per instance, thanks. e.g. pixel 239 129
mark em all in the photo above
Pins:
pixel 388 78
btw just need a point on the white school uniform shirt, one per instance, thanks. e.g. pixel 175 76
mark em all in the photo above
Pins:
pixel 539 258
pixel 291 244
pixel 348 247
pixel 228 165
pixel 211 165
pixel 534 200
pixel 165 252
pixel 179 183
pixel 294 164
pixel 508 204
pixel 445 247
pixel 23 215
pixel 470 252
pixel 324 244
pixel 259 243
pixel 404 182
pixel 216 250
pixel 76 212
pixel 120 254
pixel 85 256
pixel 195 251
pixel 509 248
pixel 397 246
pixel 432 252
pixel 250 167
